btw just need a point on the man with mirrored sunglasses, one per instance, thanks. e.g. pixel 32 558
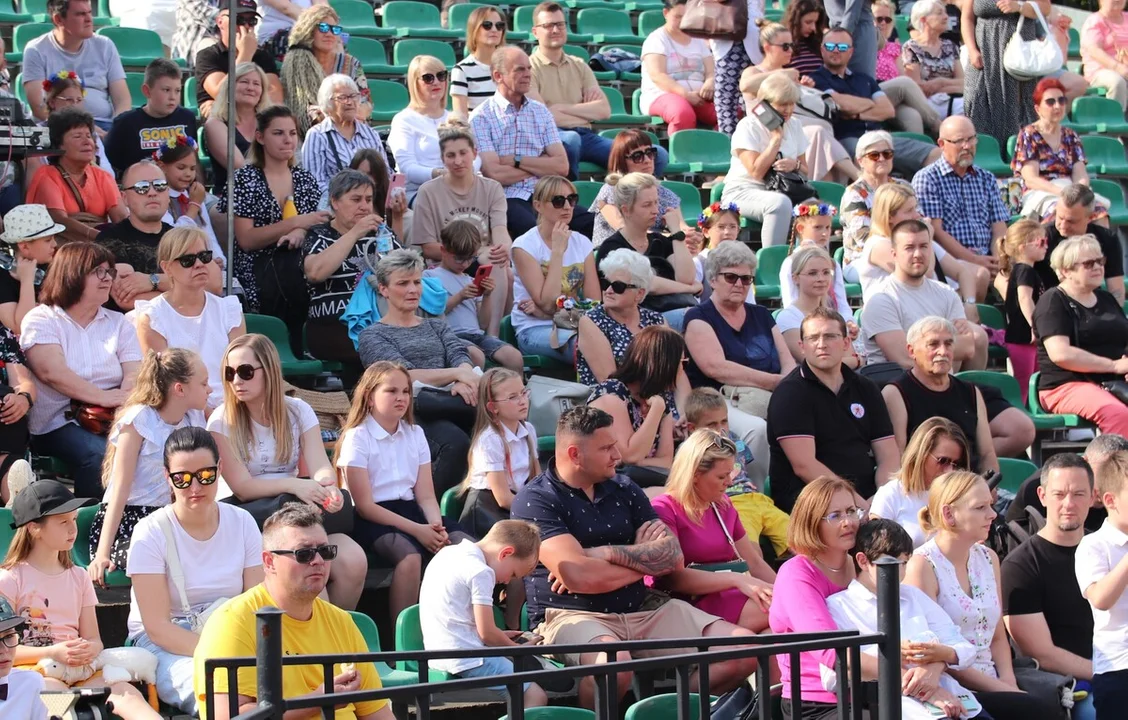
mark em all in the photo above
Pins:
pixel 297 560
pixel 212 62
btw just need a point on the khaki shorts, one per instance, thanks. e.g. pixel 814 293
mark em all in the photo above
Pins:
pixel 675 619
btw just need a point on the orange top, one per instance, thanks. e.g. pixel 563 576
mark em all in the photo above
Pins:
pixel 100 193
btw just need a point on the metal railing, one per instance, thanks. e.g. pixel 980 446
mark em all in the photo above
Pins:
pixel 269 662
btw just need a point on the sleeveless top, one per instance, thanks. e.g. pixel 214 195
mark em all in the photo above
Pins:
pixel 976 615
pixel 618 336
pixel 957 404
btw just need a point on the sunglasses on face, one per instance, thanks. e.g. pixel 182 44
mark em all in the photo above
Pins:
pixel 1052 101
pixel 786 47
pixel 429 78
pixel 246 21
pixel 737 279
pixel 143 187
pixel 326 27
pixel 559 200
pixel 639 155
pixel 187 261
pixel 618 286
pixel 103 273
pixel 947 461
pixel 491 25
pixel 836 47
pixel 304 556
pixel 204 476
pixel 875 155
pixel 246 372
pixel 1090 264
pixel 882 20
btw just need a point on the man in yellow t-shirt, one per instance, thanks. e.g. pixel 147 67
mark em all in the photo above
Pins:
pixel 296 560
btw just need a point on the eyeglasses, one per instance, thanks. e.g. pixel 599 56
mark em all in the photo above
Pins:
pixel 246 20
pixel 947 461
pixel 969 140
pixel 552 26
pixel 1090 264
pixel 142 187
pixel 246 372
pixel 68 100
pixel 11 640
pixel 875 155
pixel 639 155
pixel 429 78
pixel 849 514
pixel 523 395
pixel 618 286
pixel 882 20
pixel 103 273
pixel 491 25
pixel 187 261
pixel 326 27
pixel 736 278
pixel 1052 101
pixel 559 200
pixel 304 556
pixel 786 47
pixel 204 476
pixel 825 337
pixel 350 98
pixel 836 47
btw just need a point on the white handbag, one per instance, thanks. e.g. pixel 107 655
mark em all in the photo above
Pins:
pixel 1032 59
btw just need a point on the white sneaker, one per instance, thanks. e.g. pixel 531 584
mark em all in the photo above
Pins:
pixel 20 475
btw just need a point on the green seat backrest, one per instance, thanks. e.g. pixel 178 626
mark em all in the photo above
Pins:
pixel 587 190
pixel 829 192
pixel 1012 141
pixel 134 81
pixel 451 503
pixel 1006 384
pixel 575 51
pixel 505 331
pixel 1089 109
pixel 1014 472
pixel 409 636
pixel 662 707
pixel 23 34
pixel 80 552
pixel 614 132
pixel 1103 150
pixel 275 330
pixel 31 7
pixel 190 86
pixel 915 136
pixel 411 14
pixel 404 50
pixel 690 198
pixel 717 192
pixel 615 100
pixel 523 19
pixel 649 21
pixel 18 88
pixel 369 50
pixel 7 534
pixel 387 95
pixel 134 42
pixel 991 316
pixel 459 15
pixel 601 20
pixel 556 713
pixel 355 13
pixel 988 146
pixel 901 22
pixel 768 262
pixel 1110 189
pixel 1074 42
pixel 699 146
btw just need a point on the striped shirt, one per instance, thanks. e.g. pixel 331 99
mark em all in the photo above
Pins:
pixel 95 353
pixel 969 205
pixel 504 129
pixel 472 80
pixel 318 155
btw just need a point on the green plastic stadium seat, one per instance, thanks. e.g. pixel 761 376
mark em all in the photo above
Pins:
pixel 583 54
pixel 275 330
pixel 23 34
pixel 1118 212
pixel 556 713
pixel 37 10
pixel 417 20
pixel 409 636
pixel 134 81
pixel 831 193
pixel 1034 405
pixel 459 15
pixel 136 46
pixel 1008 386
pixel 706 151
pixel 9 16
pixel 506 334
pixel 374 58
pixel 451 503
pixel 358 20
pixel 690 198
pixel 388 98
pixel 1105 155
pixel 992 317
pixel 189 100
pixel 915 136
pixel 388 676
pixel 587 190
pixel 605 25
pixel 80 552
pixel 768 262
pixel 901 22
pixel 619 115
pixel 1014 471
pixel 663 707
pixel 7 533
pixel 1074 43
pixel 1098 115
pixel 404 50
pixel 716 193
pixel 989 156
pixel 649 21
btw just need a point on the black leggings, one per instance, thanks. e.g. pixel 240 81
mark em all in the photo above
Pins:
pixel 1016 706
pixel 449 446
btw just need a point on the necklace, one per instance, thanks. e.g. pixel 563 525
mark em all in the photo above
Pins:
pixel 838 569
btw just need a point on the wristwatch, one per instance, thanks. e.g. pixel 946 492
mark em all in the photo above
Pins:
pixel 27 395
pixel 969 301
pixel 156 280
pixel 517 161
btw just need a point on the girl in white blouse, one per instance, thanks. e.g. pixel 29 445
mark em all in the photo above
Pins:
pixel 171 392
pixel 387 464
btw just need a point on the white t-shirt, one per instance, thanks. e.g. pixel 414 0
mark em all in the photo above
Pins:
pixel 23 700
pixel 893 503
pixel 1097 555
pixel 414 141
pixel 684 63
pixel 572 271
pixel 789 290
pixel 213 568
pixel 488 455
pixel 456 580
pixel 751 134
pixel 149 486
pixel 896 306
pixel 392 460
pixel 205 334
pixel 262 462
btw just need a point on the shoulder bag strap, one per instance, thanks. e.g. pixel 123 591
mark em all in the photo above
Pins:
pixel 333 148
pixel 73 188
pixel 728 535
pixel 175 572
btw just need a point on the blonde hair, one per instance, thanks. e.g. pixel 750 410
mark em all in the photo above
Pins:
pixel 698 454
pixel 810 508
pixel 923 442
pixel 455 129
pixel 804 255
pixel 550 185
pixel 769 31
pixel 220 109
pixel 372 379
pixel 627 187
pixel 1010 245
pixel 240 430
pixel 1065 255
pixel 22 545
pixel 486 420
pixel 420 64
pixel 778 89
pixel 474 23
pixel 301 73
pixel 948 489
pixel 888 200
pixel 1112 473
pixel 700 401
pixel 521 535
pixel 177 242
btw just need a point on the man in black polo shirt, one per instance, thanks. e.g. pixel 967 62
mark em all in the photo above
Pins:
pixel 1097 452
pixel 212 61
pixel 599 538
pixel 1043 608
pixel 824 419
pixel 1071 218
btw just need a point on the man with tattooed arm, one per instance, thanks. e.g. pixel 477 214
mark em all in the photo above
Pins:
pixel 599 538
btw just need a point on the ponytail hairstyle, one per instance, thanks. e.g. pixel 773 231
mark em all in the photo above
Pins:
pixel 946 490
pixel 375 376
pixel 486 419
pixel 159 372
pixel 1009 247
pixel 235 413
pixel 257 154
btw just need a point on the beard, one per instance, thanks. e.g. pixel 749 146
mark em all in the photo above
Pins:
pixel 1069 526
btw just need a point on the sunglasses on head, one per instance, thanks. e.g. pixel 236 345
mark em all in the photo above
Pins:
pixel 429 78
pixel 786 47
pixel 304 556
pixel 876 155
pixel 737 279
pixel 618 286
pixel 881 20
pixel 559 200
pixel 105 272
pixel 142 187
pixel 204 476
pixel 491 25
pixel 1052 101
pixel 246 372
pixel 326 27
pixel 187 261
pixel 836 47
pixel 643 153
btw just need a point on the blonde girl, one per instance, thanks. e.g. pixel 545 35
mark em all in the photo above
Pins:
pixel 387 464
pixel 813 272
pixel 812 227
pixel 717 223
pixel 42 583
pixel 171 392
pixel 1023 245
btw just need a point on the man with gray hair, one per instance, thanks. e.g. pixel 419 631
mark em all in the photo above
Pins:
pixel 1071 218
pixel 330 145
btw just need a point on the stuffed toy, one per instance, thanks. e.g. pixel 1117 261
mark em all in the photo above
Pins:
pixel 121 664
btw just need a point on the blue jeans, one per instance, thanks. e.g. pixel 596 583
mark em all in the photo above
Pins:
pixel 491 667
pixel 174 673
pixel 1110 694
pixel 538 341
pixel 676 318
pixel 81 450
pixel 1084 709
pixel 584 145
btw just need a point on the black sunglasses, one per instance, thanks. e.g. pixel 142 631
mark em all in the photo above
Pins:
pixel 244 371
pixel 142 187
pixel 187 261
pixel 490 25
pixel 882 20
pixel 204 476
pixel 640 155
pixel 618 286
pixel 247 20
pixel 736 278
pixel 1054 101
pixel 786 47
pixel 559 200
pixel 305 555
pixel 429 78
pixel 326 27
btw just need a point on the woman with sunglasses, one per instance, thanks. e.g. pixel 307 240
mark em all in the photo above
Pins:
pixel 553 264
pixel 937 446
pixel 263 435
pixel 218 554
pixel 316 52
pixel 414 138
pixel 633 151
pixel 187 315
pixel 677 74
pixel 80 353
pixel 471 80
pixel 1082 335
pixel 888 47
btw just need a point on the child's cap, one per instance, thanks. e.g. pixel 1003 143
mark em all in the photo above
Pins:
pixel 42 498
pixel 9 618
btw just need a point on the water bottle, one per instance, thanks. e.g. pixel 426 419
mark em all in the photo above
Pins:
pixel 8 263
pixel 383 239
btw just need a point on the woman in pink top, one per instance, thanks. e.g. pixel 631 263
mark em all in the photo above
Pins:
pixel 697 510
pixel 824 522
pixel 1104 48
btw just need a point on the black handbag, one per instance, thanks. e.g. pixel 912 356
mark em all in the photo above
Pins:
pixel 262 508
pixel 282 288
pixel 1118 389
pixel 792 184
pixel 665 303
pixel 742 703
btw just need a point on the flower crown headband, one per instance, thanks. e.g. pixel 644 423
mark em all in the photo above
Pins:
pixel 807 210
pixel 703 218
pixel 61 76
pixel 168 146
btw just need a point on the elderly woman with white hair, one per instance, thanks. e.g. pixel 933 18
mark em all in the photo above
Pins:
pixel 331 144
pixel 414 138
pixel 757 152
pixel 874 152
pixel 933 62
pixel 1082 340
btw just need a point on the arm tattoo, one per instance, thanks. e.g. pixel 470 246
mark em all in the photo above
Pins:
pixel 656 557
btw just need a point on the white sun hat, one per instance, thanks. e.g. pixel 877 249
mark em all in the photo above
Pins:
pixel 29 222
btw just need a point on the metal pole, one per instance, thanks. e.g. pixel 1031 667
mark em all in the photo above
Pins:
pixel 683 691
pixel 764 687
pixel 889 648
pixel 232 23
pixel 268 655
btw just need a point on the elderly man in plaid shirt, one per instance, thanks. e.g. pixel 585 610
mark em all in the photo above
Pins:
pixel 519 143
pixel 962 198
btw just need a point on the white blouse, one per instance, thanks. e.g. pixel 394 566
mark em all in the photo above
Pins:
pixel 262 462
pixel 149 487
pixel 414 141
pixel 391 460
pixel 893 503
pixel 488 456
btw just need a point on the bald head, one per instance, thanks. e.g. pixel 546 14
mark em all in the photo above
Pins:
pixel 142 170
pixel 958 141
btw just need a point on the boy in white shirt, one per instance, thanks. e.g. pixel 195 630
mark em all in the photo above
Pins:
pixel 19 689
pixel 1102 575
pixel 456 600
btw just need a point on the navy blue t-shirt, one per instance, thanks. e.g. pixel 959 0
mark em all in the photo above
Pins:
pixel 618 510
pixel 856 84
pixel 752 345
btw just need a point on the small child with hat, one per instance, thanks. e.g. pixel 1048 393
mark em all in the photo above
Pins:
pixel 30 237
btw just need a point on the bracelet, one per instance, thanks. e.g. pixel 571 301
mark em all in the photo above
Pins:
pixel 26 394
pixel 198 205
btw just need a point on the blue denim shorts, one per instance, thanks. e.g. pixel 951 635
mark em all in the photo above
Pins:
pixel 490 667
